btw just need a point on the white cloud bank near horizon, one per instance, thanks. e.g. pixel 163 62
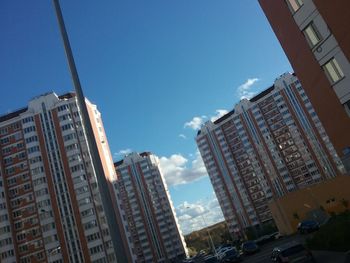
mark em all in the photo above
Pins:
pixel 195 216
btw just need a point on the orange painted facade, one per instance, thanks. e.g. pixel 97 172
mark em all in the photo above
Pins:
pixel 330 196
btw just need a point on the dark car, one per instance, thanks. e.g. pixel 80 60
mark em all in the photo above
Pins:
pixel 292 252
pixel 231 255
pixel 250 247
pixel 308 226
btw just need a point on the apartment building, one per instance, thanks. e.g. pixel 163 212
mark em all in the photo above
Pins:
pixel 266 147
pixel 149 217
pixel 50 203
pixel 315 36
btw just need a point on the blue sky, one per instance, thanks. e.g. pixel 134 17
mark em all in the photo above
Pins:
pixel 151 66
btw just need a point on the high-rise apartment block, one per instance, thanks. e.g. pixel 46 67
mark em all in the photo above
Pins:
pixel 149 217
pixel 266 147
pixel 50 204
pixel 315 36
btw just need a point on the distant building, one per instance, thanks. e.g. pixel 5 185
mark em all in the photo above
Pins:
pixel 266 147
pixel 50 204
pixel 315 35
pixel 149 217
pixel 315 202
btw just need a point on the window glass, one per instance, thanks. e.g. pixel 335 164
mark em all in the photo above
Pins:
pixel 347 107
pixel 312 35
pixel 333 70
pixel 295 4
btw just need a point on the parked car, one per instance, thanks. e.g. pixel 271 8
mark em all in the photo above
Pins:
pixel 231 255
pixel 250 247
pixel 308 226
pixel 291 252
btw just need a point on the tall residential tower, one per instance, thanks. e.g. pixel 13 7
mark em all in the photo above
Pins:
pixel 266 147
pixel 50 204
pixel 145 205
pixel 315 35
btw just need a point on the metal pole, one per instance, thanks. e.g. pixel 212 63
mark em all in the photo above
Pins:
pixel 120 250
pixel 211 240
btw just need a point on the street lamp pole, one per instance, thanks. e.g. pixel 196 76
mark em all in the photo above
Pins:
pixel 120 250
pixel 210 238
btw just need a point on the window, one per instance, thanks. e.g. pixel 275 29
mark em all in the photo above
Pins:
pixel 65 117
pixel 90 224
pixel 23 248
pixel 21 236
pixel 333 70
pixel 29 129
pixel 5 140
pixel 41 192
pixel 32 139
pixel 295 4
pixel 27 186
pixel 63 107
pixel 3 131
pixel 33 149
pixel 28 119
pixel 347 104
pixel 15 126
pixel 67 127
pixel 69 137
pixel 17 136
pixel 312 35
pixel 347 107
pixel 8 160
pixel 87 212
pixel 93 237
pixel 5 229
pixel 39 181
pixel 96 249
pixel 35 159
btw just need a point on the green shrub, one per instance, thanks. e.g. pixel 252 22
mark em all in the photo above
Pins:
pixel 333 236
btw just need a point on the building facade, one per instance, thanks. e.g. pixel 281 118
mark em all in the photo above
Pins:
pixel 315 36
pixel 265 147
pixel 317 202
pixel 50 204
pixel 145 205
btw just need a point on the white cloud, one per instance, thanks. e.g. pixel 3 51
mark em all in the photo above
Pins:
pixel 183 136
pixel 195 216
pixel 244 90
pixel 176 169
pixel 122 152
pixel 195 123
pixel 219 114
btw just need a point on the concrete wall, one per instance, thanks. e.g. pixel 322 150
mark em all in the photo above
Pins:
pixel 310 203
